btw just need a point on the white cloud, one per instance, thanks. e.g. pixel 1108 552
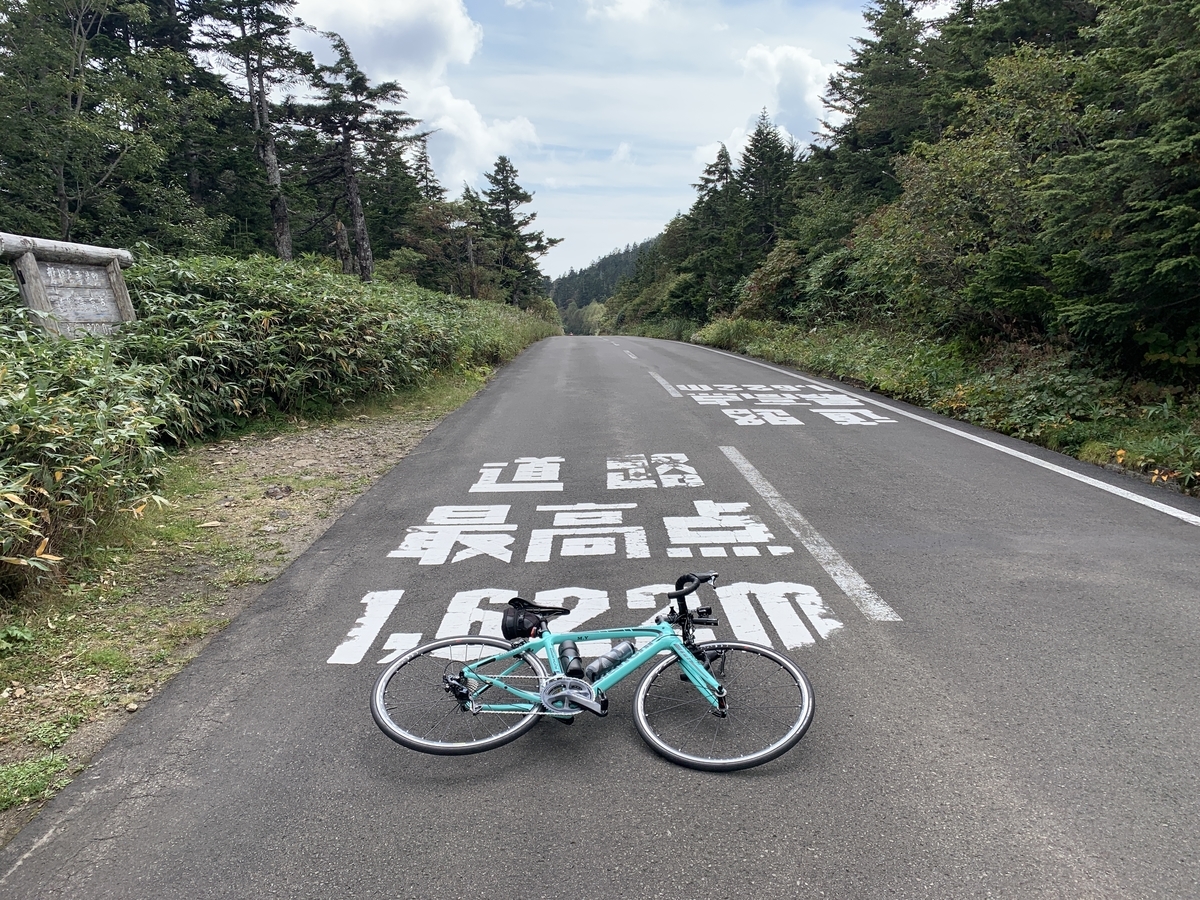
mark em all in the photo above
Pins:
pixel 416 41
pixel 938 10
pixel 797 77
pixel 734 142
pixel 473 142
pixel 414 38
pixel 628 10
pixel 609 109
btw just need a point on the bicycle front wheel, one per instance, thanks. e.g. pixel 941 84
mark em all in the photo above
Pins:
pixel 769 706
pixel 424 701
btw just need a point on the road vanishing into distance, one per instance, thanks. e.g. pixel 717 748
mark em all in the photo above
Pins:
pixel 1003 644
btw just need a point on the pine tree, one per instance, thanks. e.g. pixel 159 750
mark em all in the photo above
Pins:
pixel 711 243
pixel 517 249
pixel 974 32
pixel 253 37
pixel 716 175
pixel 762 176
pixel 1123 213
pixel 880 94
pixel 422 170
pixel 359 121
pixel 89 119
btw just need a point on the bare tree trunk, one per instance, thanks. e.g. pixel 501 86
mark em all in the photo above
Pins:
pixel 265 149
pixel 279 210
pixel 341 241
pixel 362 241
pixel 473 281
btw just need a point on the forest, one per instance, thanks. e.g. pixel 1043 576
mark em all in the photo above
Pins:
pixel 1015 171
pixel 575 291
pixel 198 126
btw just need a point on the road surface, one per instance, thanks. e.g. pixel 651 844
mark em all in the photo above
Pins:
pixel 1002 641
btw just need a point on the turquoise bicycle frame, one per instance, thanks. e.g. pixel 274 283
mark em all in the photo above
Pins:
pixel 662 639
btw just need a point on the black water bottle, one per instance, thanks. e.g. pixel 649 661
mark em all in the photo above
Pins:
pixel 618 654
pixel 568 655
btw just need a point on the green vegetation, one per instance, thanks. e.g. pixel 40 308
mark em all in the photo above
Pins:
pixel 53 735
pixel 77 441
pixel 218 343
pixel 241 339
pixel 115 622
pixel 160 126
pixel 158 122
pixel 575 293
pixel 1021 170
pixel 32 779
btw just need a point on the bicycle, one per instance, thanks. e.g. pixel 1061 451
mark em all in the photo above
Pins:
pixel 717 706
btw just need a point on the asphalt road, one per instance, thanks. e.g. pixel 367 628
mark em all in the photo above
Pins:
pixel 1002 641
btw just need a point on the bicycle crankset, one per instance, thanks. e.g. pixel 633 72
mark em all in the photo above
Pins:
pixel 563 694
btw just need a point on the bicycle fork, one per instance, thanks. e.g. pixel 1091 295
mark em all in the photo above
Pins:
pixel 699 673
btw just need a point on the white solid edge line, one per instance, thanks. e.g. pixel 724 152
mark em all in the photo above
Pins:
pixel 853 585
pixel 28 853
pixel 1085 479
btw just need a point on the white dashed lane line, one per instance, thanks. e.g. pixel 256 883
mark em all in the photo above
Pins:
pixel 667 386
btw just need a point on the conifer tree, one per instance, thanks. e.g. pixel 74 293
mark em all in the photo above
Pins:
pixel 516 248
pixel 253 37
pixel 359 120
pixel 763 174
pixel 89 119
pixel 880 94
pixel 422 170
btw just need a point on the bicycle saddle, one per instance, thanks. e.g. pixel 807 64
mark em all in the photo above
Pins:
pixel 523 619
pixel 547 611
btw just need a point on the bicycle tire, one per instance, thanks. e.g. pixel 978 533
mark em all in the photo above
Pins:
pixel 769 699
pixel 412 705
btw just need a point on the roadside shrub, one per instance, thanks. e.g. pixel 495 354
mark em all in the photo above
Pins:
pixel 244 338
pixel 217 342
pixel 736 335
pixel 77 440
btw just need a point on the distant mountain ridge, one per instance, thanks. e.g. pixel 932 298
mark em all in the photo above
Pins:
pixel 598 281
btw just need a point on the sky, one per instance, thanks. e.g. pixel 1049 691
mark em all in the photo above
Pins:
pixel 608 109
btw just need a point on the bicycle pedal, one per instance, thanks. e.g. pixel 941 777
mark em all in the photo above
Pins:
pixel 564 720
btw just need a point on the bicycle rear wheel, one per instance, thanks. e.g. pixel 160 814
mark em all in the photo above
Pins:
pixel 769 707
pixel 423 702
